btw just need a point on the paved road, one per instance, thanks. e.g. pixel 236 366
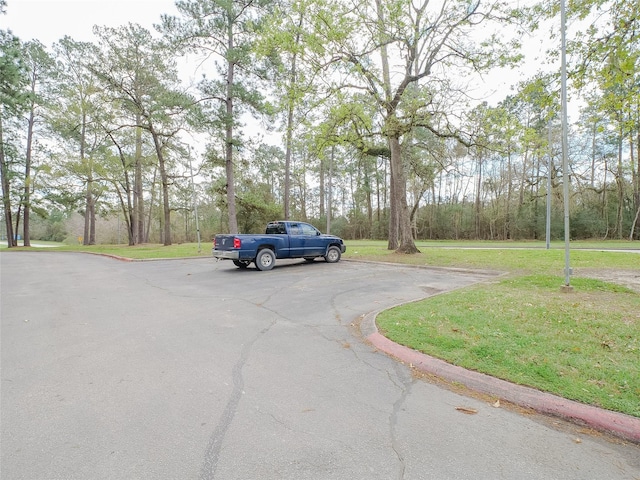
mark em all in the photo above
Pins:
pixel 192 369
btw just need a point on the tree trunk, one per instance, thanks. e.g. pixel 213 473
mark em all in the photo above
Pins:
pixel 322 192
pixel 126 204
pixel 400 237
pixel 129 210
pixel 89 233
pixel 394 163
pixel 26 237
pixel 620 184
pixel 287 165
pixel 394 228
pixel 594 132
pixel 166 227
pixel 330 189
pixel 478 195
pixel 303 189
pixel 507 224
pixel 536 196
pixel 523 179
pixel 152 200
pixel 633 225
pixel 289 140
pixel 399 184
pixel 635 178
pixel 604 205
pixel 231 190
pixel 367 185
pixel 138 197
pixel 6 194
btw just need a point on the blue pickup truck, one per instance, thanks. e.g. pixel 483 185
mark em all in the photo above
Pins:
pixel 280 240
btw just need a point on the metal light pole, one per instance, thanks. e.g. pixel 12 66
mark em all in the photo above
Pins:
pixel 548 225
pixel 565 162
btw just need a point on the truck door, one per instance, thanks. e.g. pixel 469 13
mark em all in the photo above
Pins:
pixel 296 240
pixel 313 244
pixel 283 245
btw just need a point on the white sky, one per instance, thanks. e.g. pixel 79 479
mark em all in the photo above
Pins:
pixel 50 20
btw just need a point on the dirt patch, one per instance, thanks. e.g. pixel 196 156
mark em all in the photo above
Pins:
pixel 628 278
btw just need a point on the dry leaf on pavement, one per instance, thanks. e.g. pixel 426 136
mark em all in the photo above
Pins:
pixel 467 410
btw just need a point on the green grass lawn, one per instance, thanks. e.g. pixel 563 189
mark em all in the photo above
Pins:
pixel 508 258
pixel 583 345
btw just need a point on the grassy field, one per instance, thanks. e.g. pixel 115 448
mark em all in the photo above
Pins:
pixel 583 345
pixel 509 257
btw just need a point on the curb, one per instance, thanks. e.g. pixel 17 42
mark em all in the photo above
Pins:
pixel 476 271
pixel 129 259
pixel 620 425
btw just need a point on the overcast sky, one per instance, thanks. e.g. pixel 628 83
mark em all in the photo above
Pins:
pixel 50 20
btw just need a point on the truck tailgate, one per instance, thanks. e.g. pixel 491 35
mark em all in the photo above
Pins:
pixel 224 242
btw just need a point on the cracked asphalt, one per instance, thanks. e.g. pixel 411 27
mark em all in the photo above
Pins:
pixel 192 369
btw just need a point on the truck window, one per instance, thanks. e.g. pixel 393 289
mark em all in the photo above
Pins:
pixel 308 230
pixel 276 229
pixel 295 229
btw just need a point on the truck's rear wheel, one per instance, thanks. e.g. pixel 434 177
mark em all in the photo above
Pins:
pixel 265 260
pixel 333 254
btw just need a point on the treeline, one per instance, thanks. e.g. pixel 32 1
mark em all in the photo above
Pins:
pixel 354 116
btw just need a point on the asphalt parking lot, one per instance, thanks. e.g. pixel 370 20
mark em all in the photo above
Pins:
pixel 185 369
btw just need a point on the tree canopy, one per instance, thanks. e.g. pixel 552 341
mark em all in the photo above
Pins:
pixel 366 118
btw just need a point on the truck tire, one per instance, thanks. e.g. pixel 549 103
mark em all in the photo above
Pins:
pixel 333 254
pixel 265 260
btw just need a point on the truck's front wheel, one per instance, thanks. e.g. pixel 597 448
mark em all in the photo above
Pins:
pixel 265 259
pixel 333 254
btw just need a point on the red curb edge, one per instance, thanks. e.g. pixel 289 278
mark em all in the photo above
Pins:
pixel 115 257
pixel 618 424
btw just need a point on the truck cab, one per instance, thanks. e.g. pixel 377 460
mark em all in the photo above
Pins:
pixel 304 239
